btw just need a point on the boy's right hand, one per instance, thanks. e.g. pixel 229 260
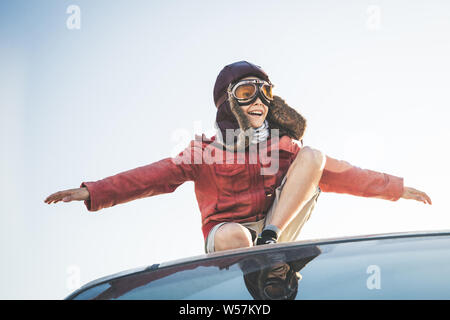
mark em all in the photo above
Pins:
pixel 79 194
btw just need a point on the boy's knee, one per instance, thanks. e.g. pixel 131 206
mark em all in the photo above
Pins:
pixel 232 236
pixel 311 157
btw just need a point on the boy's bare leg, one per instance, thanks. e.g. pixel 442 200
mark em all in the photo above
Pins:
pixel 302 180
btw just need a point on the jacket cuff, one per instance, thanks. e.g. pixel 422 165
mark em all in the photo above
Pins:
pixel 89 203
pixel 395 189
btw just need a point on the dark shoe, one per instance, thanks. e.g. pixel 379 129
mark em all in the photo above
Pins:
pixel 267 237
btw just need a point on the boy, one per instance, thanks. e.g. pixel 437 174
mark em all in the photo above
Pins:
pixel 245 201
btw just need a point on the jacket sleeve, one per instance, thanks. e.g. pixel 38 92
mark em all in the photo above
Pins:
pixel 160 177
pixel 341 177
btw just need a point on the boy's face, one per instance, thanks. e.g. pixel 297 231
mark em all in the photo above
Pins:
pixel 257 111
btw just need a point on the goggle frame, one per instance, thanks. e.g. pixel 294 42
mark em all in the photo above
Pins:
pixel 257 83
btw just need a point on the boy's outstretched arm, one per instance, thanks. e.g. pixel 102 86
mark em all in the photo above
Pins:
pixel 163 176
pixel 342 177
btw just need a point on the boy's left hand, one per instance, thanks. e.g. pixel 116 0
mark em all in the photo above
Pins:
pixel 411 193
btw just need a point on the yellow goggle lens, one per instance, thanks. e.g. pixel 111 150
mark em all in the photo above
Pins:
pixel 245 91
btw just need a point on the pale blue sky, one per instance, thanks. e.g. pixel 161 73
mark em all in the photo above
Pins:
pixel 371 77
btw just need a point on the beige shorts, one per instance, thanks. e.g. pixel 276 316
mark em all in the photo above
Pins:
pixel 290 233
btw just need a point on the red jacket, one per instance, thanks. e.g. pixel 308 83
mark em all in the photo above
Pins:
pixel 235 192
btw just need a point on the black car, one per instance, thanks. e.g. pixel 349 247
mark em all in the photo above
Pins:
pixel 413 265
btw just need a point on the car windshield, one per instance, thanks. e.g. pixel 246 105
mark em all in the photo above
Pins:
pixel 391 268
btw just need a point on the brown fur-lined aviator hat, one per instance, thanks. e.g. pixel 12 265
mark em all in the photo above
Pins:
pixel 230 115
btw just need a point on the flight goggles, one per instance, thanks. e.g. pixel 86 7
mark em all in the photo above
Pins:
pixel 247 91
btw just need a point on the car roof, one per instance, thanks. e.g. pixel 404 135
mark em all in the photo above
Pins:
pixel 259 249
